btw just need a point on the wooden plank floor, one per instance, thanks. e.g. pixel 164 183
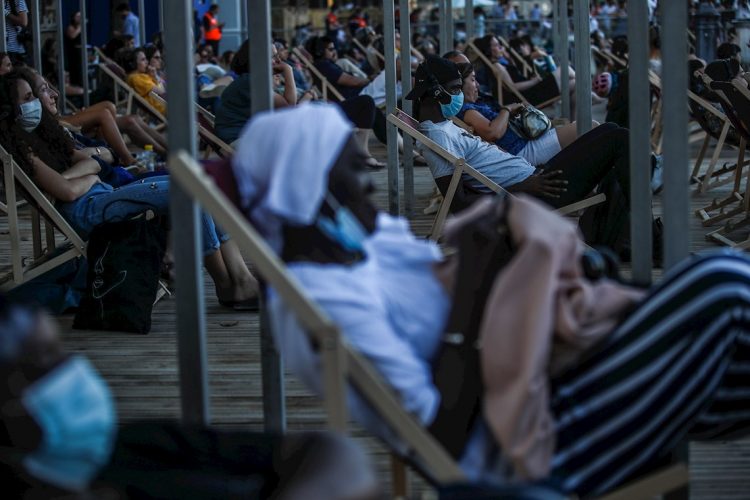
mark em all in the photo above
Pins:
pixel 142 370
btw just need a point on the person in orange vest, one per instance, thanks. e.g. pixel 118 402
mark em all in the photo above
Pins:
pixel 212 27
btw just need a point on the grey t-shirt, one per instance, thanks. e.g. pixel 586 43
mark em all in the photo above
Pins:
pixel 503 168
pixel 234 110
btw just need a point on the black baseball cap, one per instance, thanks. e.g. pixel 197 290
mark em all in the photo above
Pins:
pixel 433 68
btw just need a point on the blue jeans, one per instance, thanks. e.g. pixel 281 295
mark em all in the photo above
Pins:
pixel 103 203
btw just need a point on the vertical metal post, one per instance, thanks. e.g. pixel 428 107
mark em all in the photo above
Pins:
pixel 62 102
pixel 564 27
pixel 408 157
pixel 442 30
pixel 469 15
pixel 3 35
pixel 142 23
pixel 674 105
pixel 84 53
pixel 186 232
pixel 36 35
pixel 640 143
pixel 259 25
pixel 161 18
pixel 389 39
pixel 449 27
pixel 583 65
pixel 243 22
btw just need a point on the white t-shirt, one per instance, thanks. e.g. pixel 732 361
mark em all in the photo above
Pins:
pixel 503 168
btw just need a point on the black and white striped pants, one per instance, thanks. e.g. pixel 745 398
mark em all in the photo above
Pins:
pixel 677 368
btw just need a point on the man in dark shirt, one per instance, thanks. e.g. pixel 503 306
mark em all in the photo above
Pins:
pixel 325 55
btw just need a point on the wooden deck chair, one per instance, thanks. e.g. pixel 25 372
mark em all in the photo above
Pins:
pixel 206 132
pixel 656 121
pixel 18 184
pixel 341 364
pixel 699 109
pixel 132 99
pixel 328 90
pixel 737 108
pixel 409 126
pixel 527 69
pixel 502 85
pixel 609 58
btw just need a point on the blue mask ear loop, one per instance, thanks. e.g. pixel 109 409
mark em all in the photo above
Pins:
pixel 345 229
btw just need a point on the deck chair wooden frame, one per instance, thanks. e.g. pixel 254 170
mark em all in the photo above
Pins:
pixel 527 68
pixel 221 148
pixel 342 364
pixel 719 209
pixel 133 98
pixel 609 58
pixel 501 84
pixel 43 259
pixel 408 125
pixel 711 177
pixel 328 87
pixel 733 92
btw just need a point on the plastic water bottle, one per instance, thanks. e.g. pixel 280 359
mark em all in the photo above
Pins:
pixel 149 157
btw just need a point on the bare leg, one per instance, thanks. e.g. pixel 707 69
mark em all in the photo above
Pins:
pixel 100 118
pixel 140 134
pixel 244 284
pixel 219 274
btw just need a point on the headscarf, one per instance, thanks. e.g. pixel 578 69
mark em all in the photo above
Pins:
pixel 282 164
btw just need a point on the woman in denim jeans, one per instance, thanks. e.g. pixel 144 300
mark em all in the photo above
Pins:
pixel 43 149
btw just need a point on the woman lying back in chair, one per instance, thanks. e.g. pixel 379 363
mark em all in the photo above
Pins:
pixel 493 125
pixel 46 153
pixel 644 369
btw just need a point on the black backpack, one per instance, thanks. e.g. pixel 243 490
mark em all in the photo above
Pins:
pixel 123 276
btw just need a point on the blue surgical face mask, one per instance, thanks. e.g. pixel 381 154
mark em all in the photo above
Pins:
pixel 452 109
pixel 31 115
pixel 345 229
pixel 73 407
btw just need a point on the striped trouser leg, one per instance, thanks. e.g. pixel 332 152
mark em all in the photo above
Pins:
pixel 678 365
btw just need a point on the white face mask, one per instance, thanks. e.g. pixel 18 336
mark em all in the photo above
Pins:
pixel 73 407
pixel 31 115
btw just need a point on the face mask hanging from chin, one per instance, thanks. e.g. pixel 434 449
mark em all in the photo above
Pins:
pixel 74 408
pixel 452 108
pixel 345 229
pixel 31 115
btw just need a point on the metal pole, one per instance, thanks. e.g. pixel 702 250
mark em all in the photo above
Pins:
pixel 640 143
pixel 161 18
pixel 3 35
pixel 142 23
pixel 389 39
pixel 674 81
pixel 84 53
pixel 408 157
pixel 449 25
pixel 186 232
pixel 243 22
pixel 443 31
pixel 583 65
pixel 259 24
pixel 564 26
pixel 61 58
pixel 36 35
pixel 469 15
pixel 261 95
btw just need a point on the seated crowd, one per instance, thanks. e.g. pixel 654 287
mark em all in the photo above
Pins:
pixel 578 380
